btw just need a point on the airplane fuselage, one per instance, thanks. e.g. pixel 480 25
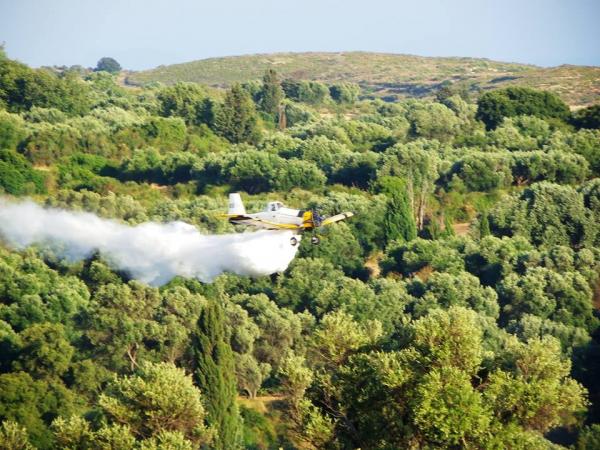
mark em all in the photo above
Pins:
pixel 277 216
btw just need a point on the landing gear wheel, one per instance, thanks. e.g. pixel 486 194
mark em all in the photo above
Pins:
pixel 315 240
pixel 293 241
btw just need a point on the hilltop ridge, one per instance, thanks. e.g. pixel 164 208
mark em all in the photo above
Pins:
pixel 385 75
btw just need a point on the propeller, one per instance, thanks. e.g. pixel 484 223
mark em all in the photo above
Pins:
pixel 317 218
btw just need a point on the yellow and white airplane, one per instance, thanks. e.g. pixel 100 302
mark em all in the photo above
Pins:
pixel 276 216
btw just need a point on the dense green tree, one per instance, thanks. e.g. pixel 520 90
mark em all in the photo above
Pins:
pixel 280 329
pixel 22 88
pixel 589 438
pixel 44 351
pixel 398 221
pixel 494 106
pixel 446 290
pixel 236 118
pixel 474 333
pixel 585 143
pixel 271 94
pixel 14 437
pixel 484 171
pixel 563 297
pixel 159 398
pixel 546 214
pixel 357 169
pixel 555 166
pixel 31 292
pixel 108 64
pixel 17 177
pixel 185 100
pixel 587 117
pixel 166 134
pixel 23 400
pixel 12 130
pixel 484 225
pixel 418 166
pixel 344 92
pixel 408 258
pixel 312 92
pixel 214 375
pixel 433 121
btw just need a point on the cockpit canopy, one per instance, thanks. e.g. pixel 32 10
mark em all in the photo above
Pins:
pixel 274 206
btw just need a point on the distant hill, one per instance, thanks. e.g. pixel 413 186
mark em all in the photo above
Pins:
pixel 384 75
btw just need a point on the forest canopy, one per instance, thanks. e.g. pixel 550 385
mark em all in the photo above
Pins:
pixel 456 309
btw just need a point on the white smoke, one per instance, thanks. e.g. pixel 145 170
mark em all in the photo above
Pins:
pixel 150 252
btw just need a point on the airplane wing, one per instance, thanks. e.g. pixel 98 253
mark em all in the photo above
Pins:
pixel 261 223
pixel 336 218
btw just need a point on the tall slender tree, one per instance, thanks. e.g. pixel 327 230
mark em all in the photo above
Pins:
pixel 271 93
pixel 484 225
pixel 399 222
pixel 215 376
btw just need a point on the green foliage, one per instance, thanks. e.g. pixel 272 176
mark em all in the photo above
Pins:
pixel 159 399
pixel 213 374
pixel 14 437
pixel 344 92
pixel 185 100
pixel 494 106
pixel 271 93
pixel 31 292
pixel 433 121
pixel 589 438
pixel 585 143
pixel 107 64
pixel 236 118
pixel 257 171
pixel 484 172
pixel 44 351
pixel 587 117
pixel 418 254
pixel 32 404
pixel 22 88
pixel 563 297
pixel 12 130
pixel 17 177
pixel 546 214
pixel 459 341
pixel 312 92
pixel 398 221
pixel 484 225
pixel 450 412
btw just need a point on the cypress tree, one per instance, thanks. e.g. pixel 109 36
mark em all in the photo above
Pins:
pixel 215 376
pixel 399 222
pixel 448 229
pixel 271 94
pixel 484 226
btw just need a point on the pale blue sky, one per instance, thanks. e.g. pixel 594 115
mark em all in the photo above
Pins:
pixel 145 33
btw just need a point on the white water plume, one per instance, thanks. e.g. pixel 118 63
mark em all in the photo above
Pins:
pixel 150 252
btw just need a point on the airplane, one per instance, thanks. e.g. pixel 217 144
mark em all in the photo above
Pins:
pixel 276 216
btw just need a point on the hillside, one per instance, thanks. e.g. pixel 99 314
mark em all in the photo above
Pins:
pixel 384 75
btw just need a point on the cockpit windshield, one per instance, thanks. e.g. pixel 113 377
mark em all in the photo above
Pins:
pixel 274 206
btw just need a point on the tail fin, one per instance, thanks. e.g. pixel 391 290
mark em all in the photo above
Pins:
pixel 236 206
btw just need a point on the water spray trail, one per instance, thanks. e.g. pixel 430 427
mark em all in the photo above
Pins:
pixel 150 252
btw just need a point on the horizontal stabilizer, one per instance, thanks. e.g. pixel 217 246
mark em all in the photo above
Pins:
pixel 336 218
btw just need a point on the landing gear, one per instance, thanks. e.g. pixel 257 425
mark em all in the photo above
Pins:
pixel 293 241
pixel 315 240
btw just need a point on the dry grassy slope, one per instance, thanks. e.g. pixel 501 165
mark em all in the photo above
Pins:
pixel 384 75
